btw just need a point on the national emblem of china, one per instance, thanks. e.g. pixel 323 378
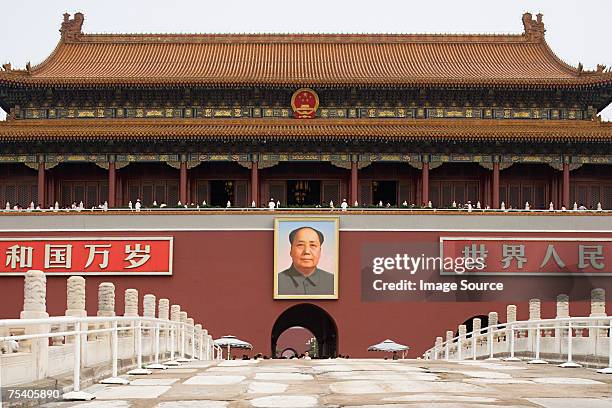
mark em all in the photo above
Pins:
pixel 304 103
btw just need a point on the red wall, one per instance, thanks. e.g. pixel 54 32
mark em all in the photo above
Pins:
pixel 225 281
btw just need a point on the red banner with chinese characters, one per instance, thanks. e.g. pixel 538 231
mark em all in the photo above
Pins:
pixel 87 256
pixel 532 256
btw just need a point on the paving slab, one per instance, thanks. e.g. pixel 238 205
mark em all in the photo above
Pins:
pixel 129 392
pixel 214 379
pixel 571 402
pixel 356 383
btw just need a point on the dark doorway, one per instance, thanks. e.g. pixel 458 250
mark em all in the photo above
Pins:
pixel 221 191
pixel 303 192
pixel 385 191
pixel 313 318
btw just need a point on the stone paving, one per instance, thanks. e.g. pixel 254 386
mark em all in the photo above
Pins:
pixel 357 383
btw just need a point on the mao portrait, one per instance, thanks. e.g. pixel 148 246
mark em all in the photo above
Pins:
pixel 306 258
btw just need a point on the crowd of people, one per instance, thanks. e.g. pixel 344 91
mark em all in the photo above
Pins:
pixel 276 204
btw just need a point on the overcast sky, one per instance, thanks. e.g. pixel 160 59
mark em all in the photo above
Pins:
pixel 578 31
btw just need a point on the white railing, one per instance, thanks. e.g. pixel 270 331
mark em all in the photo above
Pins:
pixel 508 339
pixel 39 347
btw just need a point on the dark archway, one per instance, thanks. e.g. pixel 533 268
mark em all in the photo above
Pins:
pixel 313 318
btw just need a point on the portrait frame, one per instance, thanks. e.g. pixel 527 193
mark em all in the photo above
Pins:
pixel 330 253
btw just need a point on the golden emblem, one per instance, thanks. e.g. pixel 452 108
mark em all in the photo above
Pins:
pixel 304 103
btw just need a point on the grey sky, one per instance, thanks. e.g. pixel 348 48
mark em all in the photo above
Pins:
pixel 577 31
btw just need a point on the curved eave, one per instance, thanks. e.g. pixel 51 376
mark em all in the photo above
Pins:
pixel 584 82
pixel 343 130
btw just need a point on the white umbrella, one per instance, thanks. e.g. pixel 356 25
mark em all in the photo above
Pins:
pixel 389 346
pixel 232 341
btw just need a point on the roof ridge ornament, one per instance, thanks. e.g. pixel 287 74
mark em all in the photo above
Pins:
pixel 534 29
pixel 71 28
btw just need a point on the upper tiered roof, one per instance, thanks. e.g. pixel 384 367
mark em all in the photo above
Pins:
pixel 316 60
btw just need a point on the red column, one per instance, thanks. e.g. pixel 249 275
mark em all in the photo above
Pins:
pixel 566 185
pixel 354 183
pixel 41 185
pixel 425 183
pixel 112 185
pixel 495 186
pixel 255 183
pixel 183 183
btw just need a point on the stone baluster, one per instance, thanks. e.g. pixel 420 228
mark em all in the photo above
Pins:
pixel 534 314
pixel 175 316
pixel 75 299
pixel 189 341
pixel 449 344
pixel 106 299
pixel 598 309
pixel 35 307
pixel 562 312
pixel 131 303
pixel 493 321
pixel 439 351
pixel 198 344
pixel 75 306
pixel 148 306
pixel 510 318
pixel 206 345
pixel 163 312
pixel 462 330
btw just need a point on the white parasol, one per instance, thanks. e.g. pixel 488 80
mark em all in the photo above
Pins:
pixel 389 346
pixel 231 341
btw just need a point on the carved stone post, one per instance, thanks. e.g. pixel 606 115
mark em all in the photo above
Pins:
pixel 131 303
pixel 449 345
pixel 75 306
pixel 534 314
pixel 562 311
pixel 164 313
pixel 598 309
pixel 75 297
pixel 493 320
pixel 35 307
pixel 106 299
pixel 510 318
pixel 198 347
pixel 148 306
pixel 462 330
pixel 175 316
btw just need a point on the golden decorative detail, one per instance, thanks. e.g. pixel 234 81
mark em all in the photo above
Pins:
pixel 386 114
pixel 352 113
pixel 223 113
pixel 503 166
pixel 120 165
pixel 371 113
pixel 100 112
pixel 32 165
pixel 86 114
pixel 507 113
pixel 139 113
pixel 343 164
pixel 324 113
pixel 469 113
pixel 268 112
pixel 174 164
pixel 454 114
pixel 71 113
pixel 435 164
pixel 50 165
pixel 103 165
pixel 248 164
pixel 169 112
pixel 420 113
pixel 264 164
pixel 341 113
pixel 237 112
pixel 208 112
pixel 521 114
pixel 285 113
